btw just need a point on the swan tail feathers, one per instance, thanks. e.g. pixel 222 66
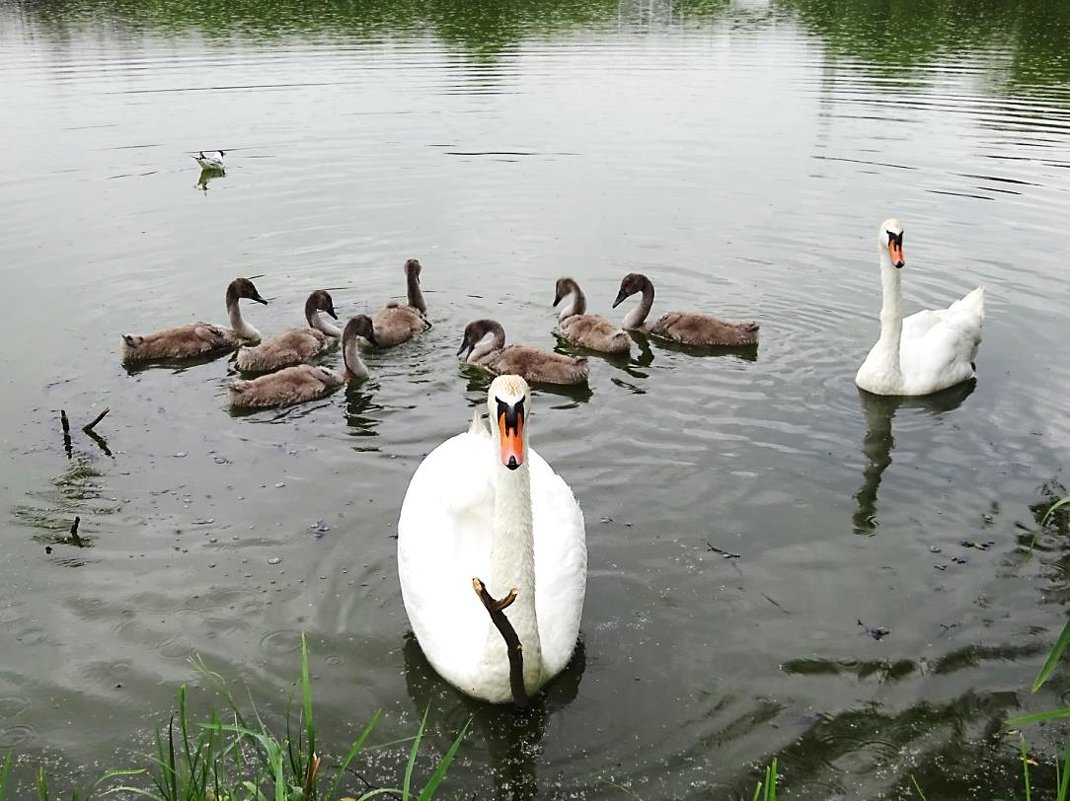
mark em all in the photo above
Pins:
pixel 972 303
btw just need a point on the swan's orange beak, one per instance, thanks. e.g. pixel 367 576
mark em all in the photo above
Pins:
pixel 895 250
pixel 511 431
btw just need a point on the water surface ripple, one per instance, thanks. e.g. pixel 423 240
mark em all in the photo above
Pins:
pixel 741 154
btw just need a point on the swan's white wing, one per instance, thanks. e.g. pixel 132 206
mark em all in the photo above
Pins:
pixel 560 563
pixel 919 323
pixel 444 539
pixel 967 312
pixel 942 356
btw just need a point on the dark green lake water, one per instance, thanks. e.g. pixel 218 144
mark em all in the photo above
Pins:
pixel 742 154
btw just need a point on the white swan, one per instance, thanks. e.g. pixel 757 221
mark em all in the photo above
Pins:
pixel 212 160
pixel 928 351
pixel 488 506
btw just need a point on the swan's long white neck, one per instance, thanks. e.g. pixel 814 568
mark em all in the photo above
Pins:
pixel 355 366
pixel 318 320
pixel 886 351
pixel 512 564
pixel 238 324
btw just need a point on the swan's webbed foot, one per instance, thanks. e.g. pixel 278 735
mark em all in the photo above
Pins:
pixel 514 647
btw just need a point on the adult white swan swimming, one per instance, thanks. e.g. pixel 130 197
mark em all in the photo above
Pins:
pixel 928 351
pixel 483 504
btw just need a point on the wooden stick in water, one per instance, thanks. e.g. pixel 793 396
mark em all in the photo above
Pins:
pixel 66 432
pixel 75 538
pixel 512 642
pixel 88 427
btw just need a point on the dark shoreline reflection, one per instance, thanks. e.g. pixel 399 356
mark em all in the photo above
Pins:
pixel 512 738
pixel 1033 32
pixel 878 442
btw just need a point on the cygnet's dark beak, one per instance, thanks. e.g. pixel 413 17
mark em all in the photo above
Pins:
pixel 331 312
pixel 557 297
pixel 258 299
pixel 465 349
pixel 621 297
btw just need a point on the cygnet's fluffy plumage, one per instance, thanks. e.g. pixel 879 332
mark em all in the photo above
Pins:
pixel 399 323
pixel 305 382
pixel 197 339
pixel 532 364
pixel 687 328
pixel 295 345
pixel 587 330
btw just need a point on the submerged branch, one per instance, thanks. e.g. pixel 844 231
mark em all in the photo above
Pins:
pixel 513 645
pixel 75 537
pixel 66 432
pixel 88 427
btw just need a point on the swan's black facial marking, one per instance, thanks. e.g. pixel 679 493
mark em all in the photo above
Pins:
pixel 510 417
pixel 895 248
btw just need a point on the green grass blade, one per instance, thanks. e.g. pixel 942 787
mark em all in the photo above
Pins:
pixel 137 791
pixel 172 764
pixel 380 791
pixel 183 727
pixel 42 784
pixel 917 787
pixel 1055 655
pixel 1055 507
pixel 411 765
pixel 1039 717
pixel 1025 768
pixel 356 749
pixel 443 765
pixel 306 699
pixel 5 776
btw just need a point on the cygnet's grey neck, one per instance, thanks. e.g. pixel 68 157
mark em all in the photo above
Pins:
pixel 637 316
pixel 415 295
pixel 493 340
pixel 355 366
pixel 238 323
pixel 321 322
pixel 577 303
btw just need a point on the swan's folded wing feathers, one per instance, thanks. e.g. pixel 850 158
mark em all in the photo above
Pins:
pixel 560 563
pixel 212 334
pixel 446 512
pixel 920 323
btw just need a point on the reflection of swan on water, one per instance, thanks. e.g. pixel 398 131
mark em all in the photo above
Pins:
pixel 878 443
pixel 511 739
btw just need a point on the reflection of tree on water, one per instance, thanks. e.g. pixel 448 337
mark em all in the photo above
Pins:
pixel 1035 33
pixel 878 443
pixel 954 750
pixel 512 738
